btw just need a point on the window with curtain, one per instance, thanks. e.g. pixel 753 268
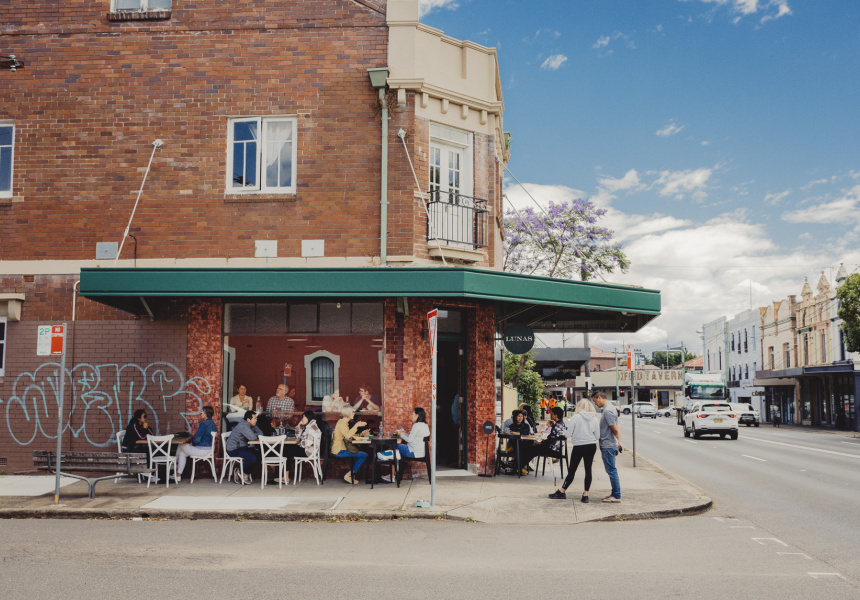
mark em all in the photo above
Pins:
pixel 143 5
pixel 322 378
pixel 262 155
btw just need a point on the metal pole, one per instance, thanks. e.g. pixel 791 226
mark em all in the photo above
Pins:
pixel 60 417
pixel 433 338
pixel 617 392
pixel 633 400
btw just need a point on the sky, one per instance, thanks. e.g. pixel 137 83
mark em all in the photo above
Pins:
pixel 720 135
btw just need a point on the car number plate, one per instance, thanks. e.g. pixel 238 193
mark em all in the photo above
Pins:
pixel 718 420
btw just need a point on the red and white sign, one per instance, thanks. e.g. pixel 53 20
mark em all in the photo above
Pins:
pixel 50 340
pixel 288 369
pixel 629 360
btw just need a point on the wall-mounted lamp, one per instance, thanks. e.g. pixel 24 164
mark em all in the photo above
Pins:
pixel 10 62
pixel 338 304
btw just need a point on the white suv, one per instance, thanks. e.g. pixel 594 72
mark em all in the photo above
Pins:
pixel 747 415
pixel 708 417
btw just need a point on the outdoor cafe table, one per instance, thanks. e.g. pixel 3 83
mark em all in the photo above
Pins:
pixel 377 444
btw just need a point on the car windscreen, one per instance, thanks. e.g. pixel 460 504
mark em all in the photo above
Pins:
pixel 716 407
pixel 706 392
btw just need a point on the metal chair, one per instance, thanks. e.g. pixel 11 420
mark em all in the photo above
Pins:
pixel 424 459
pixel 159 454
pixel 562 457
pixel 207 458
pixel 272 454
pixel 508 451
pixel 119 436
pixel 230 460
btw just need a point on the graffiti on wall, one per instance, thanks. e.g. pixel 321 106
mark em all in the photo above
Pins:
pixel 99 400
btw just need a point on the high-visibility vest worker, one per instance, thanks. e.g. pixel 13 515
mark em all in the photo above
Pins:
pixel 551 403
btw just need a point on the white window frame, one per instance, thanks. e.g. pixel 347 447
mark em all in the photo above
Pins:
pixel 261 188
pixel 449 138
pixel 144 7
pixel 3 339
pixel 8 193
pixel 309 358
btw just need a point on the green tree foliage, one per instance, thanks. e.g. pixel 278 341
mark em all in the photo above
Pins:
pixel 849 311
pixel 530 383
pixel 658 359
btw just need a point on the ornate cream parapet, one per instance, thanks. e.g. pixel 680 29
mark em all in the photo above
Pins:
pixel 456 82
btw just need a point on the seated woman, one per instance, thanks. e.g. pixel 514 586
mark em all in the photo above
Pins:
pixel 551 446
pixel 414 446
pixel 342 431
pixel 200 444
pixel 527 413
pixel 309 436
pixel 366 400
pixel 238 405
pixel 237 445
pixel 517 424
pixel 136 430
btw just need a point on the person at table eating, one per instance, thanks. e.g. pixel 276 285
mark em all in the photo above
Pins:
pixel 237 445
pixel 308 434
pixel 414 446
pixel 366 399
pixel 200 444
pixel 342 432
pixel 517 424
pixel 551 446
pixel 137 429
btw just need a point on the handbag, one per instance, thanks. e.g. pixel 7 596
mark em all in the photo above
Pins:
pixel 350 447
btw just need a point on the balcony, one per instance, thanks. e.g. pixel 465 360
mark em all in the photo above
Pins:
pixel 459 223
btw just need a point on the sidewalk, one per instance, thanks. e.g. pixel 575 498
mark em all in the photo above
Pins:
pixel 647 493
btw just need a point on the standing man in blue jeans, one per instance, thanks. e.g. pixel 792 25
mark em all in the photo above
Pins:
pixel 610 443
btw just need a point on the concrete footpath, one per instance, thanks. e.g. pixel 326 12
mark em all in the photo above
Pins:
pixel 647 493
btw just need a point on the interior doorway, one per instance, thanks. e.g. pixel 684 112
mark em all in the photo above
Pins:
pixel 450 398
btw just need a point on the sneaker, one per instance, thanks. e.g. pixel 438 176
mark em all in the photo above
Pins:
pixel 237 477
pixel 349 478
pixel 386 478
pixel 584 499
pixel 558 495
pixel 247 479
pixel 525 471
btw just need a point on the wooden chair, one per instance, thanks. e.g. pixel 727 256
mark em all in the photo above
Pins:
pixel 424 459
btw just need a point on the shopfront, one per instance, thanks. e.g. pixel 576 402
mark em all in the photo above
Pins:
pixel 330 332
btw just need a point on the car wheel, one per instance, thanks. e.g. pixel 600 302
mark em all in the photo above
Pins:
pixel 722 436
pixel 686 431
pixel 756 424
pixel 654 417
pixel 748 424
pixel 734 435
pixel 696 434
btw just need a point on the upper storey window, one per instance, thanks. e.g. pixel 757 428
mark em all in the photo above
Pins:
pixel 7 151
pixel 142 5
pixel 261 155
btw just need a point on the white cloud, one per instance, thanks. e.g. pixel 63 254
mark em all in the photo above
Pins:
pixel 553 62
pixel 844 209
pixel 427 6
pixel 680 184
pixel 706 143
pixel 604 40
pixel 774 199
pixel 670 129
pixel 771 9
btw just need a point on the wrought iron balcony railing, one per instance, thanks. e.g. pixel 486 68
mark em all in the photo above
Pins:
pixel 457 219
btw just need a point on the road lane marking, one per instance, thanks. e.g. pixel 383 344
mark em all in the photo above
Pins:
pixel 724 519
pixel 742 527
pixel 692 441
pixel 764 541
pixel 795 554
pixel 819 575
pixel 849 443
pixel 803 447
pixel 753 457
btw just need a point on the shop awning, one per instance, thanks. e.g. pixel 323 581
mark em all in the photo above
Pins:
pixel 543 303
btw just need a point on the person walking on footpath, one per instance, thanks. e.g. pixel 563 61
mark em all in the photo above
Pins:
pixel 584 433
pixel 610 443
pixel 775 411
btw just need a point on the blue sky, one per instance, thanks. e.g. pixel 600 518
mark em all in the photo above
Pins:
pixel 721 135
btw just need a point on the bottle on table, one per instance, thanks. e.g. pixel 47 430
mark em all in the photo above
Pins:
pixel 259 405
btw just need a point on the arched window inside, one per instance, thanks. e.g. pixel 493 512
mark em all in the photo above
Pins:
pixel 322 375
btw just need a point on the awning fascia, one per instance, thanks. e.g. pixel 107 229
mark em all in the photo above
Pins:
pixel 123 287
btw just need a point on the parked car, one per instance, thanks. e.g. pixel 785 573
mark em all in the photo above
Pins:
pixel 747 415
pixel 707 417
pixel 615 404
pixel 644 409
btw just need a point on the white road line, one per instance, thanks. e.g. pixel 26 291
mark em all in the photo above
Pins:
pixel 753 457
pixel 764 541
pixel 755 439
pixel 820 575
pixel 742 527
pixel 849 443
pixel 724 519
pixel 795 554
pixel 692 441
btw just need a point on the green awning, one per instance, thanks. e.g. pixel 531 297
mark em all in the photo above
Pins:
pixel 544 303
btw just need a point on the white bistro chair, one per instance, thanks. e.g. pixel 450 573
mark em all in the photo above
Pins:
pixel 207 458
pixel 272 454
pixel 159 454
pixel 230 460
pixel 313 460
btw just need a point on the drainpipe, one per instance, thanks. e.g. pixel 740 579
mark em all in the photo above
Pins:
pixel 378 78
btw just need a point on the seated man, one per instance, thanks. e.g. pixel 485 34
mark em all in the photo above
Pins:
pixel 279 406
pixel 237 445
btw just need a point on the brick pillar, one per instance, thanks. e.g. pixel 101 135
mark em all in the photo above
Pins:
pixel 204 359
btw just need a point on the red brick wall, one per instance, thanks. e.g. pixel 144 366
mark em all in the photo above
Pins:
pixel 113 368
pixel 94 95
pixel 408 367
pixel 204 359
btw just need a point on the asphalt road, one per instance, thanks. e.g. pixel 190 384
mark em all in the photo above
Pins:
pixel 801 485
pixel 695 557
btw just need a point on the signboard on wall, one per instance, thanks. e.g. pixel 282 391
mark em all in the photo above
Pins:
pixel 50 340
pixel 519 338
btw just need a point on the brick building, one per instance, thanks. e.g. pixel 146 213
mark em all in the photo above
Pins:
pixel 302 182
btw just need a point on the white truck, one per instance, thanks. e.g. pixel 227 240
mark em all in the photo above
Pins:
pixel 701 386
